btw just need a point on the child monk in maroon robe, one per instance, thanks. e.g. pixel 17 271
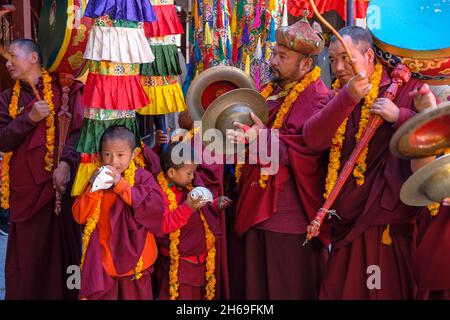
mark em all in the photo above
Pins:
pixel 119 246
pixel 373 241
pixel 41 244
pixel 195 226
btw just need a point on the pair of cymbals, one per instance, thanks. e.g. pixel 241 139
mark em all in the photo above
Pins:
pixel 426 134
pixel 211 84
pixel 233 106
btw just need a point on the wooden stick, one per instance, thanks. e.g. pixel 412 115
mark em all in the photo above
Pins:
pixel 338 36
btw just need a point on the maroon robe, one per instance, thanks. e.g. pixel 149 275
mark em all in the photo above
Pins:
pixel 129 229
pixel 41 245
pixel 367 210
pixel 191 276
pixel 273 220
pixel 431 263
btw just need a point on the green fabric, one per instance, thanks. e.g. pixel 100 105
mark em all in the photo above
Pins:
pixel 92 132
pixel 167 62
pixel 119 23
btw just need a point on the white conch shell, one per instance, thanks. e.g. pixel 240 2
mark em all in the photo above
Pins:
pixel 201 194
pixel 100 182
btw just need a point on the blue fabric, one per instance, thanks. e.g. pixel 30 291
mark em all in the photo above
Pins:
pixel 131 10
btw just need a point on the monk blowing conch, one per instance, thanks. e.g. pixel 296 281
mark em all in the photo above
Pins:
pixel 41 244
pixel 273 211
pixel 373 240
pixel 121 221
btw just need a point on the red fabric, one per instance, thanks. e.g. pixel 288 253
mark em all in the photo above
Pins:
pixel 278 267
pixel 176 219
pixel 296 7
pixel 124 288
pixel 432 262
pixel 114 92
pixel 258 204
pixel 167 22
pixel 347 269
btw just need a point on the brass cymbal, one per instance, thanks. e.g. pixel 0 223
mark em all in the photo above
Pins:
pixel 211 84
pixel 234 106
pixel 426 134
pixel 429 184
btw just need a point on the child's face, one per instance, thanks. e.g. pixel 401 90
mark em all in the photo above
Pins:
pixel 182 176
pixel 117 153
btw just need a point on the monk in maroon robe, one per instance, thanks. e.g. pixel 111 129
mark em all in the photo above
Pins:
pixel 373 241
pixel 431 264
pixel 41 245
pixel 192 246
pixel 121 249
pixel 273 220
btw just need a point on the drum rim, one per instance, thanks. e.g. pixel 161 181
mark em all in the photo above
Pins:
pixel 416 54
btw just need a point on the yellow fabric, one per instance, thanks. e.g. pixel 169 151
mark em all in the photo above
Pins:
pixel 163 99
pixel 207 38
pixel 386 238
pixel 84 173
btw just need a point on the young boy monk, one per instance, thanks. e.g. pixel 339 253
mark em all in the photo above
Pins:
pixel 119 246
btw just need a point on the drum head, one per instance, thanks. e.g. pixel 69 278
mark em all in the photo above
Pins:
pixel 63 33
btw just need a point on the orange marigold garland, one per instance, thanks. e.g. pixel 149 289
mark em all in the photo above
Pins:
pixel 49 122
pixel 175 241
pixel 13 111
pixel 339 138
pixel 139 159
pixel 309 78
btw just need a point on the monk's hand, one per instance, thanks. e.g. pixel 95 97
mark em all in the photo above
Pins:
pixel 114 174
pixel 386 109
pixel 194 204
pixel 162 137
pixel 245 134
pixel 423 98
pixel 61 177
pixel 446 202
pixel 94 176
pixel 224 202
pixel 359 86
pixel 39 111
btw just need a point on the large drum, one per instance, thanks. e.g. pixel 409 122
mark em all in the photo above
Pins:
pixel 63 34
pixel 415 33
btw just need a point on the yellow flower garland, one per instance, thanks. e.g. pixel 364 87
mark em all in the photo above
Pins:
pixel 129 175
pixel 338 140
pixel 309 78
pixel 49 135
pixel 139 159
pixel 175 241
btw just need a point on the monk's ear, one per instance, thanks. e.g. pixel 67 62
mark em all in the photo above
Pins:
pixel 371 56
pixel 308 64
pixel 34 58
pixel 171 173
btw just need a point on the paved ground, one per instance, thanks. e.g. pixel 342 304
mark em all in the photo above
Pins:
pixel 3 241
